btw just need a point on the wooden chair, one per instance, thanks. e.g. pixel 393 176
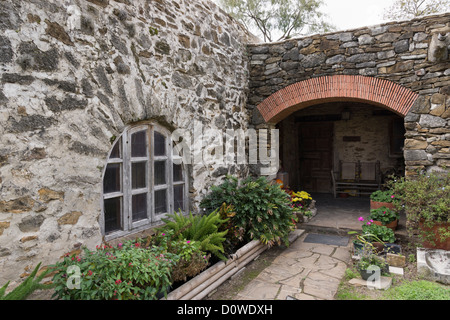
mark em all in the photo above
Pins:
pixel 356 177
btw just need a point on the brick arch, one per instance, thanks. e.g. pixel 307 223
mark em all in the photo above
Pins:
pixel 384 93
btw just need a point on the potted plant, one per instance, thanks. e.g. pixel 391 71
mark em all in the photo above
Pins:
pixel 382 198
pixel 368 260
pixel 384 216
pixel 381 232
pixel 426 201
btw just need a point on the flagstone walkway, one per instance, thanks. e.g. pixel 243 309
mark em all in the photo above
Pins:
pixel 303 271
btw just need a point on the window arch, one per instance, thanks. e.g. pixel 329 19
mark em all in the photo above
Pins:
pixel 142 182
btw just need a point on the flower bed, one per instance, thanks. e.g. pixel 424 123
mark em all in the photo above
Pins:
pixel 179 255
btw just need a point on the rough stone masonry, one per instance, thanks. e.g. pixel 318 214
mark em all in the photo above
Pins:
pixel 73 75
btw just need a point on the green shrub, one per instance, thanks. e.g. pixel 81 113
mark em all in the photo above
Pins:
pixel 263 210
pixel 424 198
pixel 203 229
pixel 126 272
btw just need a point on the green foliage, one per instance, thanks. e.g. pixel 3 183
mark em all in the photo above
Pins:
pixel 27 287
pixel 383 196
pixel 192 260
pixel 126 272
pixel 200 228
pixel 263 210
pixel 384 215
pixel 424 198
pixel 418 290
pixel 278 18
pixel 381 232
pixel 235 234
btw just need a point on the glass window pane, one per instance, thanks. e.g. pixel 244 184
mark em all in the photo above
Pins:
pixel 112 209
pixel 160 172
pixel 178 198
pixel 160 144
pixel 139 206
pixel 177 172
pixel 115 153
pixel 111 181
pixel 139 144
pixel 138 175
pixel 161 201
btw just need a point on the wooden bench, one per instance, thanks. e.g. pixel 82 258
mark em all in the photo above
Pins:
pixel 356 178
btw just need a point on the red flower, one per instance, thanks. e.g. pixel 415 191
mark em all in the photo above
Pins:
pixel 118 281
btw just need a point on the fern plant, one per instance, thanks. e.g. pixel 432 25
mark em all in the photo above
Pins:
pixel 200 228
pixel 22 291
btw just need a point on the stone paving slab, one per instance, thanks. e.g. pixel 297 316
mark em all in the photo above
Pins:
pixel 303 271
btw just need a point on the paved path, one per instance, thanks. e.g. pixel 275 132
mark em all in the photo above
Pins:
pixel 303 271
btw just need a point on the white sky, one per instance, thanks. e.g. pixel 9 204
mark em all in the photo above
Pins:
pixel 350 14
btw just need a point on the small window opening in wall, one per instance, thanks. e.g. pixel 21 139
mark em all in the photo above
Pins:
pixel 397 137
pixel 142 183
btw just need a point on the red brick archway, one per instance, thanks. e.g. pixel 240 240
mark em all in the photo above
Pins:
pixel 384 93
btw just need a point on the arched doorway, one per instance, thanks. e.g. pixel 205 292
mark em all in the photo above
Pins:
pixel 318 140
pixel 327 120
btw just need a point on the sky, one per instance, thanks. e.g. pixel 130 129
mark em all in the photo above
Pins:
pixel 351 14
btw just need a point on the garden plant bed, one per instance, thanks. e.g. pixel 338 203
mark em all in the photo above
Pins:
pixel 349 292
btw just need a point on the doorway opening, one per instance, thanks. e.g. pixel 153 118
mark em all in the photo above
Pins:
pixel 316 141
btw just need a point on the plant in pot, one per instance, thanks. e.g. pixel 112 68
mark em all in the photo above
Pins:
pixel 382 233
pixel 426 201
pixel 384 216
pixel 383 198
pixel 369 262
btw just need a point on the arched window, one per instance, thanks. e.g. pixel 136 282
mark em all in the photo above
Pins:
pixel 142 181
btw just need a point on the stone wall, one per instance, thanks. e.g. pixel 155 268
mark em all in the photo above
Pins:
pixel 73 75
pixel 413 54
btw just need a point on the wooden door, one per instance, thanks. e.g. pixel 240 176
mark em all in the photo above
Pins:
pixel 316 154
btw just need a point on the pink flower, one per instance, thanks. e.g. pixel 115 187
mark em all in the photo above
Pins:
pixel 189 241
pixel 130 264
pixel 361 219
pixel 137 244
pixel 392 197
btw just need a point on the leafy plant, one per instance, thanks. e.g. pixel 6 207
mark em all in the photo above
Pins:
pixel 235 234
pixel 192 260
pixel 384 215
pixel 27 287
pixel 201 228
pixel 263 210
pixel 381 232
pixel 125 272
pixel 383 196
pixel 369 259
pixel 426 198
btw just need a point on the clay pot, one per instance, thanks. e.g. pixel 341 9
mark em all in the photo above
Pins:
pixel 376 205
pixel 434 230
pixel 392 225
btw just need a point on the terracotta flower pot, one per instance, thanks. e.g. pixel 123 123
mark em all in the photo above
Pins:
pixel 433 231
pixel 376 204
pixel 392 225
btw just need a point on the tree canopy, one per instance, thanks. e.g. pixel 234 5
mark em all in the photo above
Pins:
pixel 276 20
pixel 409 9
